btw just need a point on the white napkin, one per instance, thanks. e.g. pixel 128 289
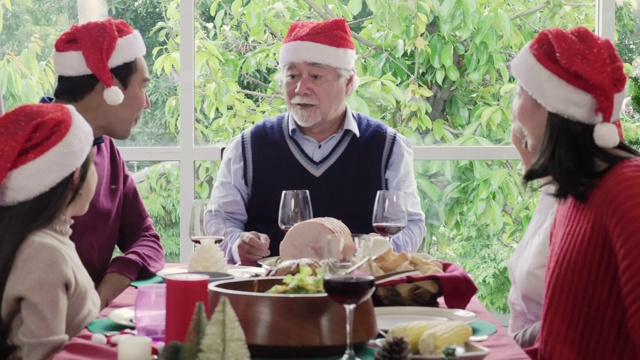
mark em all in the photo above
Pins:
pixel 208 258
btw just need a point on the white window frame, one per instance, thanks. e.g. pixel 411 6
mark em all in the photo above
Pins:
pixel 187 153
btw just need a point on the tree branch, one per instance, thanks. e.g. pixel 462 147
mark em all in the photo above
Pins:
pixel 255 93
pixel 452 130
pixel 273 32
pixel 360 20
pixel 537 29
pixel 573 4
pixel 362 40
pixel 438 101
pixel 254 80
pixel 531 11
pixel 315 8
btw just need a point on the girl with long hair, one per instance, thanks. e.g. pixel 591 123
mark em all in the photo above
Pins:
pixel 571 85
pixel 47 176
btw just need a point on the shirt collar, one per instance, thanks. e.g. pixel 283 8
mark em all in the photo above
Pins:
pixel 349 123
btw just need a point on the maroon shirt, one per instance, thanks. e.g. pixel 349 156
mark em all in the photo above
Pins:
pixel 116 216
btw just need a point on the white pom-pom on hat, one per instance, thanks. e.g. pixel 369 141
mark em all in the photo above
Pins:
pixel 113 95
pixel 605 135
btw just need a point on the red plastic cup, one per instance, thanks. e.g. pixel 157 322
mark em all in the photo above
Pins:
pixel 184 291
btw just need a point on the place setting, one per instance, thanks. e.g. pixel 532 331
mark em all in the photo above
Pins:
pixel 343 276
pixel 207 229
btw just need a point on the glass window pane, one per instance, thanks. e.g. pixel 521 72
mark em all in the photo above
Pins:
pixel 159 186
pixel 158 22
pixel 440 76
pixel 205 176
pixel 476 213
pixel 27 36
pixel 628 44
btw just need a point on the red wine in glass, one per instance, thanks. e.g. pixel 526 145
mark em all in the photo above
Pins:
pixel 286 228
pixel 386 229
pixel 389 213
pixel 349 290
pixel 348 286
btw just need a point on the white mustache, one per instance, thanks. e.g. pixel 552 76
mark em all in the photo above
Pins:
pixel 300 100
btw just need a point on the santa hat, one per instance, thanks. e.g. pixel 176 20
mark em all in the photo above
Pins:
pixel 324 42
pixel 96 47
pixel 40 145
pixel 576 74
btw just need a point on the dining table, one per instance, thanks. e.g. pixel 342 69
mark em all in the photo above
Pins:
pixel 501 345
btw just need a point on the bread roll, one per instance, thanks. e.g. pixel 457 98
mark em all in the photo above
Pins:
pixel 395 262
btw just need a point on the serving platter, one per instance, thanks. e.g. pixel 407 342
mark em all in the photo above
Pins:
pixel 239 271
pixel 389 316
pixel 470 351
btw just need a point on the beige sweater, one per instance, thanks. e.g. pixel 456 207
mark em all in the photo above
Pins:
pixel 49 294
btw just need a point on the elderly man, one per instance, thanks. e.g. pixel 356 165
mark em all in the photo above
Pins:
pixel 102 73
pixel 342 157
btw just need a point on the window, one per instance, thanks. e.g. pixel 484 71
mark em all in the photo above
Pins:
pixel 435 70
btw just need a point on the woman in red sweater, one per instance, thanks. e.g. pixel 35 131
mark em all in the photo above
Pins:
pixel 571 87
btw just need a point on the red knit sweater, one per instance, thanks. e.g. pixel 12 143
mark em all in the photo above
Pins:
pixel 592 300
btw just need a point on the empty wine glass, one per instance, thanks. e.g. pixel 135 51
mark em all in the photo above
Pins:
pixel 295 206
pixel 207 221
pixel 348 285
pixel 389 213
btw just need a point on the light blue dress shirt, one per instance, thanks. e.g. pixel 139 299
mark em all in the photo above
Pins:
pixel 231 191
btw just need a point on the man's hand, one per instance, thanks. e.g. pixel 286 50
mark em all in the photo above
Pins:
pixel 111 286
pixel 252 247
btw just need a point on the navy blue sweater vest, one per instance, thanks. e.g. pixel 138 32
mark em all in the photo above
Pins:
pixel 343 185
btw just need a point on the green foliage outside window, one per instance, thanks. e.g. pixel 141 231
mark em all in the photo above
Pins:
pixel 437 71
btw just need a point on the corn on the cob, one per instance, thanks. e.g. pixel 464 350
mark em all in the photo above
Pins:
pixel 435 339
pixel 412 331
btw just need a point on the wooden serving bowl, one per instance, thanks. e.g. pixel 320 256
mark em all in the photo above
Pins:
pixel 292 325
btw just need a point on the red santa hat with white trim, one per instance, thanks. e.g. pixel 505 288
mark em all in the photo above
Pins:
pixel 324 42
pixel 96 47
pixel 576 74
pixel 40 145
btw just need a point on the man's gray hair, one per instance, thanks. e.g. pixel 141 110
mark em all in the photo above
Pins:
pixel 342 72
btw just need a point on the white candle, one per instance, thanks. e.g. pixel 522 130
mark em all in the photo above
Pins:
pixel 134 348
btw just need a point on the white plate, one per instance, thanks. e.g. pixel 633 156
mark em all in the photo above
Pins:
pixel 246 271
pixel 389 316
pixel 235 270
pixel 272 262
pixel 174 270
pixel 471 352
pixel 123 316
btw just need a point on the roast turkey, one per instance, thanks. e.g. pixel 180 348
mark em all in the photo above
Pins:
pixel 310 239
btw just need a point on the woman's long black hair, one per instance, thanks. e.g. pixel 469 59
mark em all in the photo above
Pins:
pixel 18 221
pixel 568 154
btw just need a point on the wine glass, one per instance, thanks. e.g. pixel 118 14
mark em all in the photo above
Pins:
pixel 389 213
pixel 348 285
pixel 295 206
pixel 207 222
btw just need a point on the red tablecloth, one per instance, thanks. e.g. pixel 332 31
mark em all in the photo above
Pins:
pixel 502 346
